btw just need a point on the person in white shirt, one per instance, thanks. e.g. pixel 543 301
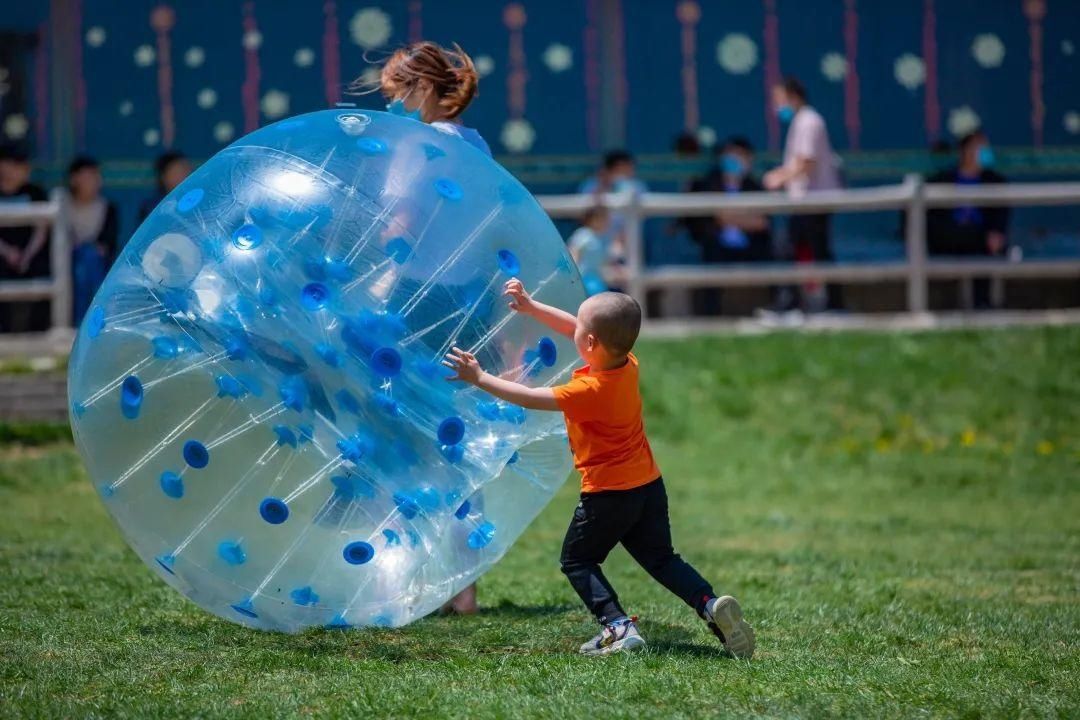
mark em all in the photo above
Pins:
pixel 809 165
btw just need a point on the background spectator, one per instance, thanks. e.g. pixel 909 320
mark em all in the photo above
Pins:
pixel 617 174
pixel 729 236
pixel 93 226
pixel 969 230
pixel 809 164
pixel 171 169
pixel 24 251
pixel 589 246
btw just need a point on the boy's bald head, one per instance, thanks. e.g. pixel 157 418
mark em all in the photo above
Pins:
pixel 614 318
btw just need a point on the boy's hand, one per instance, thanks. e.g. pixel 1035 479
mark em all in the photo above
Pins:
pixel 464 365
pixel 520 300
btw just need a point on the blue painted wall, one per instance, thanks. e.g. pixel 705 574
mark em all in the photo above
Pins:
pixel 644 60
pixel 891 116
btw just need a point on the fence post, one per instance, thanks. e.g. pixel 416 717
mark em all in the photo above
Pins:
pixel 60 249
pixel 635 251
pixel 915 239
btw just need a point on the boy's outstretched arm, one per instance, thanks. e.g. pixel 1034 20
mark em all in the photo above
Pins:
pixel 468 370
pixel 558 320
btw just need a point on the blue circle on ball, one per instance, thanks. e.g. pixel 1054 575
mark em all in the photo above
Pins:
pixel 95 322
pixel 508 262
pixel 274 510
pixel 131 397
pixel 165 348
pixel 232 552
pixel 546 351
pixel 172 485
pixel 386 362
pixel 451 431
pixel 358 553
pixel 314 296
pixel 247 237
pixel 371 146
pixel 196 455
pixel 190 200
pixel 448 189
pixel 291 124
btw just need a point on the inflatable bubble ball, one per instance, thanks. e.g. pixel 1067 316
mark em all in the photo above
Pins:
pixel 257 389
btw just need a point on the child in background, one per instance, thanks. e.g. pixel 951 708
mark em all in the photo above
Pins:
pixel 623 497
pixel 93 231
pixel 589 247
pixel 434 85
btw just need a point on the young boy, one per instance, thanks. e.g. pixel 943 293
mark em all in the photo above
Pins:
pixel 623 497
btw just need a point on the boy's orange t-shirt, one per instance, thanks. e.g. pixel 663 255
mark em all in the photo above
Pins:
pixel 607 435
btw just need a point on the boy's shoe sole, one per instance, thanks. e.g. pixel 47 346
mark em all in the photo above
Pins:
pixel 727 624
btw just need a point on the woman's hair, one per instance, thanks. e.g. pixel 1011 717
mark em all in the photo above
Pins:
pixel 450 72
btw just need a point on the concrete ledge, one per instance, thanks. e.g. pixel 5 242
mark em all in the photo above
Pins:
pixel 33 397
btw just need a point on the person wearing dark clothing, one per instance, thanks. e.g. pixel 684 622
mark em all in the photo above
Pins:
pixel 93 228
pixel 729 237
pixel 24 249
pixel 170 169
pixel 969 231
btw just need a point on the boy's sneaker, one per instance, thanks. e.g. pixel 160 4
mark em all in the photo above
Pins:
pixel 725 619
pixel 619 636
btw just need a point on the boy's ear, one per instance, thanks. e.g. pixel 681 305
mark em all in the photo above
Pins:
pixel 591 341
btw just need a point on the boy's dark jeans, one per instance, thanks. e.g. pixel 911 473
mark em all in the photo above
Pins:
pixel 638 518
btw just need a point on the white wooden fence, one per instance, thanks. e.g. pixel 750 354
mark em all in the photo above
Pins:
pixel 57 289
pixel 912 196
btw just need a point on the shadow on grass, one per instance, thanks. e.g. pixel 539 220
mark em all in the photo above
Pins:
pixel 664 639
pixel 492 631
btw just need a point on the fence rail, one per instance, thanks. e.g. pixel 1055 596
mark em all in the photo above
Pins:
pixel 57 289
pixel 912 196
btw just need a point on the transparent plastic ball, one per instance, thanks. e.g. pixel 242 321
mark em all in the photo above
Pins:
pixel 257 389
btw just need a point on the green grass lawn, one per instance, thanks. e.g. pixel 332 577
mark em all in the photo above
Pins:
pixel 899 515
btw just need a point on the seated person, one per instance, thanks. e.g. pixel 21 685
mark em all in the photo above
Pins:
pixel 24 249
pixel 969 231
pixel 729 237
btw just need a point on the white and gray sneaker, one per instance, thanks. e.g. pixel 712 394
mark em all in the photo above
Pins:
pixel 619 636
pixel 725 619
